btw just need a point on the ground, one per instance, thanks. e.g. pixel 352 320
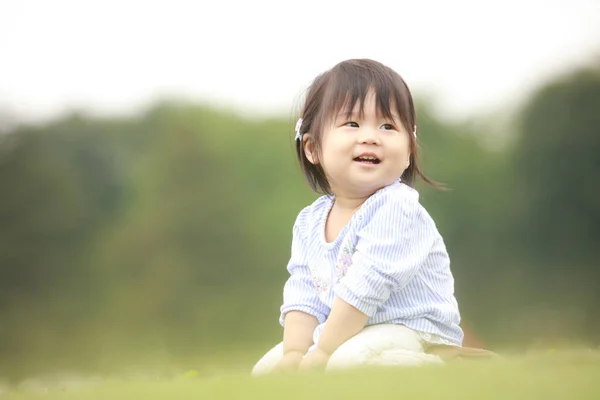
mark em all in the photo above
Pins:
pixel 550 375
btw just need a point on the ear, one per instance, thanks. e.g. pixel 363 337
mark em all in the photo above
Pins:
pixel 309 148
pixel 407 162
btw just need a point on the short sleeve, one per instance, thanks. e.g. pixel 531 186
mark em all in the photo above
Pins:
pixel 299 292
pixel 391 247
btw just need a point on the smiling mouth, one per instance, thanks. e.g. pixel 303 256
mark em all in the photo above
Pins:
pixel 368 160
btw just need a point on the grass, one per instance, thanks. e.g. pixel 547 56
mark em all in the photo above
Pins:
pixel 560 375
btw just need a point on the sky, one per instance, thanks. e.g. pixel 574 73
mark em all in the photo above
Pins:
pixel 117 57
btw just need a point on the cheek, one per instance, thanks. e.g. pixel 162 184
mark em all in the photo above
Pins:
pixel 333 148
pixel 332 142
pixel 401 147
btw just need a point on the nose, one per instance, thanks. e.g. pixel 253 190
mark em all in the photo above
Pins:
pixel 369 136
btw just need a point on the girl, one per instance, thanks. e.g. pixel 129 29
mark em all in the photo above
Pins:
pixel 370 280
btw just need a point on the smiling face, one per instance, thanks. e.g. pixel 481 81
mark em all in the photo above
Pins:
pixel 362 152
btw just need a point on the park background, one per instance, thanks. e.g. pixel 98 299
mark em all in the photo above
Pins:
pixel 148 185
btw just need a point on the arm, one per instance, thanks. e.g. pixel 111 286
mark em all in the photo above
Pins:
pixel 344 322
pixel 391 249
pixel 297 338
pixel 298 332
pixel 302 309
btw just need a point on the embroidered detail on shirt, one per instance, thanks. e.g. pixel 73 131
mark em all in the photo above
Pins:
pixel 320 285
pixel 345 260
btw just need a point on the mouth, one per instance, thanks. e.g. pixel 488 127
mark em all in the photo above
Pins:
pixel 367 159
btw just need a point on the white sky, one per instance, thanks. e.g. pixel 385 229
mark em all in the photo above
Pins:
pixel 258 55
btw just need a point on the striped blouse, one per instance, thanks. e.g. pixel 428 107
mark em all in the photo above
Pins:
pixel 389 262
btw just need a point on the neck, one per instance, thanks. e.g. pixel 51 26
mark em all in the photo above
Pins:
pixel 349 203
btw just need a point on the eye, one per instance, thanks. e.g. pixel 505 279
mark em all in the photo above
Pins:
pixel 351 124
pixel 388 127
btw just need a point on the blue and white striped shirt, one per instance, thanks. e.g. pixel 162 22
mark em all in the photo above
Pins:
pixel 389 262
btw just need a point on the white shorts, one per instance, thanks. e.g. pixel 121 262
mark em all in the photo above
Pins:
pixel 375 345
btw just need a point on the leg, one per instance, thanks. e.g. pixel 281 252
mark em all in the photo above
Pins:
pixel 268 361
pixel 383 345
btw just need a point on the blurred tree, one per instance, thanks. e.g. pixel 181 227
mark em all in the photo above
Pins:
pixel 557 193
pixel 57 187
pixel 557 162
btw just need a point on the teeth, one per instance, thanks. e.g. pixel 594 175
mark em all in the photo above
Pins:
pixel 368 158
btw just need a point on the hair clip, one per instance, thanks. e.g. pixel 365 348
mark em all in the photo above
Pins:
pixel 298 126
pixel 415 132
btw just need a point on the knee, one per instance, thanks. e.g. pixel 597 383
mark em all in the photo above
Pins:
pixel 381 345
pixel 268 361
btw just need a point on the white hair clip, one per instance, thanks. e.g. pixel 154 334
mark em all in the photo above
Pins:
pixel 298 126
pixel 415 132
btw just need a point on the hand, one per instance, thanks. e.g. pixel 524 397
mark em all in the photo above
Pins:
pixel 316 360
pixel 289 363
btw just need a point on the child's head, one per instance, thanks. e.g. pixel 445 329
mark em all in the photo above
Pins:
pixel 357 131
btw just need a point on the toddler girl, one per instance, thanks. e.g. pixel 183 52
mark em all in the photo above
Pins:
pixel 370 280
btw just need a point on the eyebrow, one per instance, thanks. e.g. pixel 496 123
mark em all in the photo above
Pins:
pixel 344 114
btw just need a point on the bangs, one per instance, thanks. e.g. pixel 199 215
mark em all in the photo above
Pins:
pixel 349 86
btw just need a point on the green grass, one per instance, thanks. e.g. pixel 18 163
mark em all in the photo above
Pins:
pixel 561 375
